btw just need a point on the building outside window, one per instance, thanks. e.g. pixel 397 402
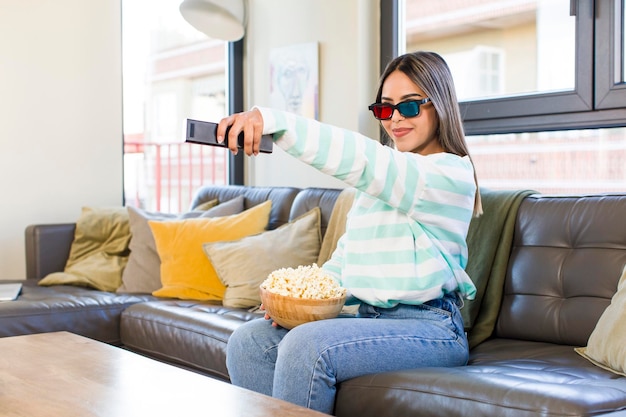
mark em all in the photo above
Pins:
pixel 171 72
pixel 486 79
pixel 535 112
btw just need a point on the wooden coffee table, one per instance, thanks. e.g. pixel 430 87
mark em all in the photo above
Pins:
pixel 62 374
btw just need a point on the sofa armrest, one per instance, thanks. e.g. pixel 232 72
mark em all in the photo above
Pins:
pixel 47 248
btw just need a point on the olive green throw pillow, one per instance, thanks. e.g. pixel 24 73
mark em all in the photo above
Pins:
pixel 99 251
pixel 606 346
pixel 242 265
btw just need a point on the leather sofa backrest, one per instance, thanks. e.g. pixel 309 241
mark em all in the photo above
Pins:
pixel 287 202
pixel 47 247
pixel 567 257
pixel 282 199
pixel 308 198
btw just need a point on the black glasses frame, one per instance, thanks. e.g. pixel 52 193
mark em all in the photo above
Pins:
pixel 401 107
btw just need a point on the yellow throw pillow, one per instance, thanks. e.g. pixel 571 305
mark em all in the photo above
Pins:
pixel 99 251
pixel 243 264
pixel 143 271
pixel 186 272
pixel 606 347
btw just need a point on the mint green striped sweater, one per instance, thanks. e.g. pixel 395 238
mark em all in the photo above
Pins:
pixel 405 233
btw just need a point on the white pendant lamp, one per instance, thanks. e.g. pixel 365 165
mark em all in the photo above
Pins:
pixel 219 19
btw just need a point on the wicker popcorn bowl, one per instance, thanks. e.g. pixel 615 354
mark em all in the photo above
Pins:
pixel 289 312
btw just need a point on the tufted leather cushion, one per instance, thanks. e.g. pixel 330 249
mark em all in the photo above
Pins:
pixel 84 311
pixel 567 257
pixel 506 378
pixel 189 333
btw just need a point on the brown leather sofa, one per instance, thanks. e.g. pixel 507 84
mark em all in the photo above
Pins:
pixel 566 258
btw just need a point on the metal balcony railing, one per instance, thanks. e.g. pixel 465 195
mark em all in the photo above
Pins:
pixel 163 177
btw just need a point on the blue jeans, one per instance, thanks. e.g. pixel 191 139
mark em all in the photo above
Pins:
pixel 304 365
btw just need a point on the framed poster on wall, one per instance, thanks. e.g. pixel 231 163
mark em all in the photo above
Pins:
pixel 294 79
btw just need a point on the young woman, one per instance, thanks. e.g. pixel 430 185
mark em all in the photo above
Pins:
pixel 403 254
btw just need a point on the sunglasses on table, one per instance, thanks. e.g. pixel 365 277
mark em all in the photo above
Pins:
pixel 410 108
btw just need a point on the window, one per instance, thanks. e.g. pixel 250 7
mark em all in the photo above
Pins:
pixel 555 162
pixel 171 72
pixel 487 77
pixel 531 43
pixel 541 85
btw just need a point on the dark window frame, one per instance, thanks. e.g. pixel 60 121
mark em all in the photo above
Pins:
pixel 610 93
pixel 235 104
pixel 597 101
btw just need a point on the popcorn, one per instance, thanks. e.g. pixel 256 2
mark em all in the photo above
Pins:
pixel 303 282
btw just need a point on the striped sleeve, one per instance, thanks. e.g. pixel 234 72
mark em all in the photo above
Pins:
pixel 412 183
pixel 405 235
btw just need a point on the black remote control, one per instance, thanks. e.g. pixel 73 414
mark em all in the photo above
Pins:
pixel 204 133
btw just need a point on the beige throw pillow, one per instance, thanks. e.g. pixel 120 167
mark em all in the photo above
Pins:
pixel 243 264
pixel 143 271
pixel 607 344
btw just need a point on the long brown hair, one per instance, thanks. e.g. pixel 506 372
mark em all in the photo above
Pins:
pixel 431 73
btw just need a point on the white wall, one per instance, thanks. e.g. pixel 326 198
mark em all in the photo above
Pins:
pixel 61 98
pixel 347 32
pixel 60 115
